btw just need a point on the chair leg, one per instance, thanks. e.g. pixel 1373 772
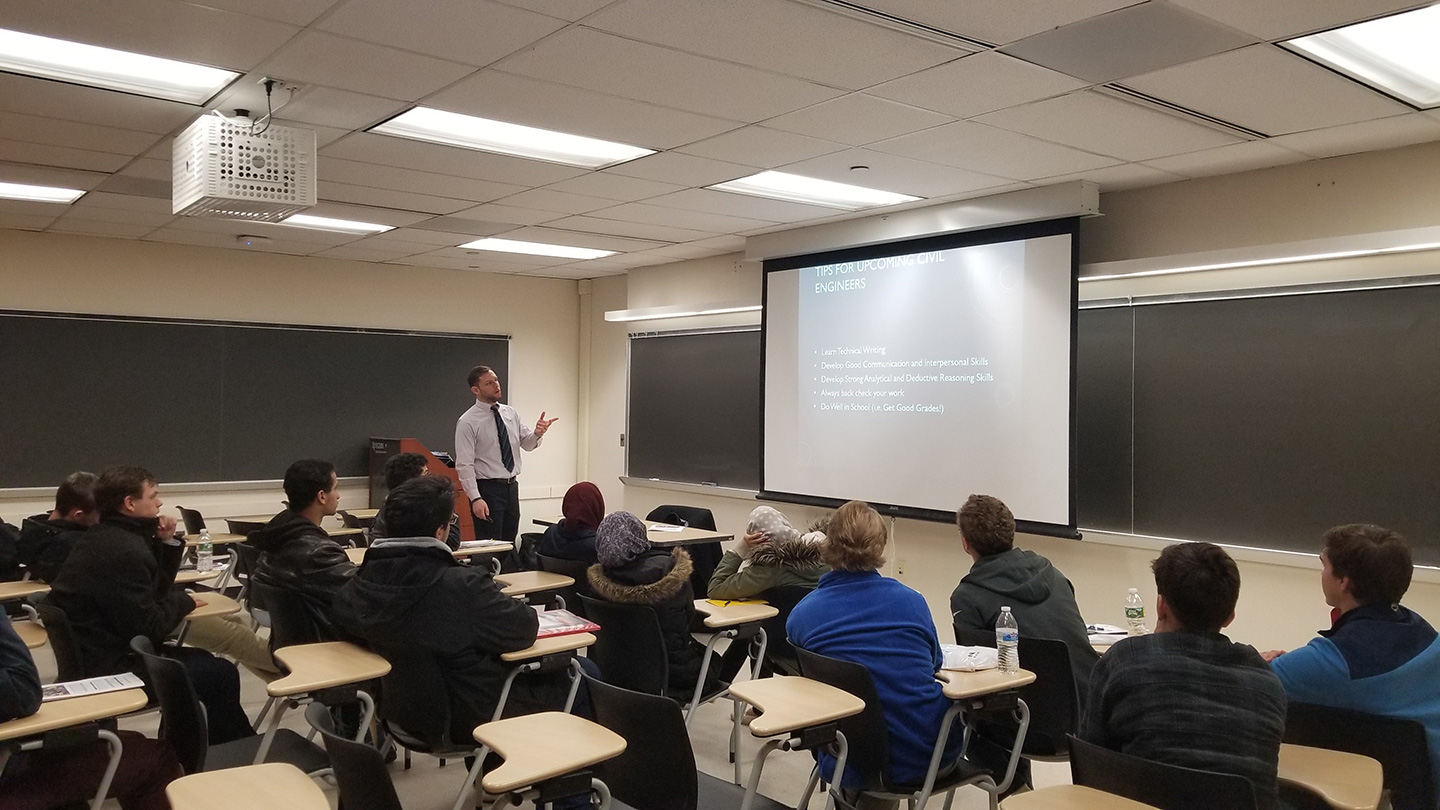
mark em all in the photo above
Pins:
pixel 116 751
pixel 735 711
pixel 704 671
pixel 810 784
pixel 470 776
pixel 269 704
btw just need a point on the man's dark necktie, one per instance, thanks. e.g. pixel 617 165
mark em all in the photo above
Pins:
pixel 507 456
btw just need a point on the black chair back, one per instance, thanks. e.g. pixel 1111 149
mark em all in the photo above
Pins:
pixel 779 654
pixel 360 773
pixel 245 558
pixel 192 520
pixel 183 719
pixel 657 770
pixel 630 651
pixel 693 516
pixel 69 664
pixel 244 527
pixel 414 705
pixel 1167 787
pixel 291 621
pixel 576 570
pixel 866 734
pixel 1052 698
pixel 704 557
pixel 1399 745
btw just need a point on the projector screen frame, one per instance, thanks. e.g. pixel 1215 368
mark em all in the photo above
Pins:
pixel 1007 233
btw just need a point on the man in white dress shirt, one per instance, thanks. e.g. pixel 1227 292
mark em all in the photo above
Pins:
pixel 488 440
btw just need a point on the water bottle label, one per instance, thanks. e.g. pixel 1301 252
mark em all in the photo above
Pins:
pixel 1134 612
pixel 1009 636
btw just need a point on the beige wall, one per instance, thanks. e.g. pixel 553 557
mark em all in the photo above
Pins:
pixel 62 273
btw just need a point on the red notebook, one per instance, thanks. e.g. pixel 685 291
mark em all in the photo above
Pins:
pixel 563 623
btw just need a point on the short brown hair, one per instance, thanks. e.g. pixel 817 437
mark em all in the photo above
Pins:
pixel 855 538
pixel 118 483
pixel 77 491
pixel 476 373
pixel 986 523
pixel 1375 559
pixel 1200 584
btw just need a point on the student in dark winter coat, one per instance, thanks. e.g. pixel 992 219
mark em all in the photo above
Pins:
pixel 400 468
pixel 46 539
pixel 573 538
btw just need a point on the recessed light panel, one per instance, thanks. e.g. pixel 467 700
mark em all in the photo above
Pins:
pixel 337 225
pixel 811 191
pixel 1396 55
pixel 110 69
pixel 537 249
pixel 472 132
pixel 44 194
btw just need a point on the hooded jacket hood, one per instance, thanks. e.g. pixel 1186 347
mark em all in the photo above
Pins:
pixel 1017 574
pixel 393 581
pixel 797 554
pixel 281 529
pixel 652 577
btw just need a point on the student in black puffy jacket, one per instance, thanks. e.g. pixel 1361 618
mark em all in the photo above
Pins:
pixel 46 539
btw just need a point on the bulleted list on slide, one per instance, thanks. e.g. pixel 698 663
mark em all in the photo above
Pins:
pixel 867 378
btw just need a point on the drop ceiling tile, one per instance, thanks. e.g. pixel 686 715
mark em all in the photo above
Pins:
pixel 475 32
pixel 561 9
pixel 50 176
pixel 61 156
pixel 24 222
pixel 381 198
pixel 92 227
pixel 85 209
pixel 463 227
pixel 57 132
pixel 575 272
pixel 70 102
pixel 138 187
pixel 556 236
pixel 646 214
pixel 687 251
pixel 978 84
pixel 1268 90
pixel 182 236
pixel 1108 126
pixel 614 187
pixel 741 205
pixel 185 31
pixel 1365 136
pixel 857 119
pixel 318 58
pixel 150 169
pixel 660 233
pixel 341 108
pixel 558 201
pixel 418 182
pixel 366 213
pixel 359 251
pixel 385 150
pixel 681 169
pixel 295 12
pixel 764 34
pixel 904 174
pixel 33 209
pixel 494 212
pixel 968 145
pixel 1118 178
pixel 724 244
pixel 420 236
pixel 996 21
pixel 1240 157
pixel 1283 19
pixel 476 256
pixel 761 146
pixel 148 206
pixel 1134 40
pixel 610 64
pixel 596 114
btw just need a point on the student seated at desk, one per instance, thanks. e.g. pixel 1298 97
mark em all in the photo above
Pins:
pixel 1378 656
pixel 857 615
pixel 573 538
pixel 412 595
pixel 46 539
pixel 38 780
pixel 400 468
pixel 1187 695
pixel 296 554
pixel 772 554
pixel 118 583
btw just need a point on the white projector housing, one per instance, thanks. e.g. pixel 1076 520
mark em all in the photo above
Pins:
pixel 222 170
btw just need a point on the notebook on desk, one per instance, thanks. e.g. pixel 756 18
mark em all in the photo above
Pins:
pixel 562 622
pixel 90 686
pixel 483 543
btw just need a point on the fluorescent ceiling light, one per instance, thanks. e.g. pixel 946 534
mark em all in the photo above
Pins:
pixel 111 69
pixel 471 132
pixel 679 311
pixel 338 225
pixel 537 248
pixel 1395 55
pixel 794 188
pixel 1311 257
pixel 45 194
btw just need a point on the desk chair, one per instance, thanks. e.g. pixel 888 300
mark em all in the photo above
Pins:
pixel 534 769
pixel 183 724
pixel 657 769
pixel 868 739
pixel 576 570
pixel 69 664
pixel 246 558
pixel 361 776
pixel 1053 700
pixel 349 521
pixel 243 527
pixel 192 519
pixel 704 556
pixel 1167 787
pixel 1400 746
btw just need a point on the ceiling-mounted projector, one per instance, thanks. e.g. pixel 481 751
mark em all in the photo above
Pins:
pixel 224 168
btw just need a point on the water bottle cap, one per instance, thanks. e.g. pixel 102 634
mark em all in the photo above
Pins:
pixel 1135 590
pixel 1004 608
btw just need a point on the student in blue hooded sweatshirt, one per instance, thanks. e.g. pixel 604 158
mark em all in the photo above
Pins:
pixel 1378 657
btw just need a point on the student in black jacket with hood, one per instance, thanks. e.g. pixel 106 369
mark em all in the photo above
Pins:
pixel 46 539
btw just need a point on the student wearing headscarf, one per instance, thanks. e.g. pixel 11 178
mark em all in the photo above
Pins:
pixel 772 554
pixel 631 571
pixel 573 538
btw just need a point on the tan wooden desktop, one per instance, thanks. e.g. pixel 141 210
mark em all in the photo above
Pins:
pixel 1070 797
pixel 363 514
pixel 58 714
pixel 216 604
pixel 31 633
pixel 527 744
pixel 216 539
pixel 520 583
pixel 720 616
pixel 357 555
pixel 22 590
pixel 966 685
pixel 551 645
pixel 789 705
pixel 313 667
pixel 686 536
pixel 190 576
pixel 1343 780
pixel 274 786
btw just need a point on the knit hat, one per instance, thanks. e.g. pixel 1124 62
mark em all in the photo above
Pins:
pixel 769 521
pixel 583 506
pixel 620 539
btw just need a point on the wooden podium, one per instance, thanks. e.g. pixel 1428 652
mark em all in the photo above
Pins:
pixel 382 449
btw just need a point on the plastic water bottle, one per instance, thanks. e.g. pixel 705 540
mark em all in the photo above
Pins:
pixel 1135 613
pixel 1007 641
pixel 205 553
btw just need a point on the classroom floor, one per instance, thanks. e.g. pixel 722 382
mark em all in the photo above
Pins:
pixel 426 786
